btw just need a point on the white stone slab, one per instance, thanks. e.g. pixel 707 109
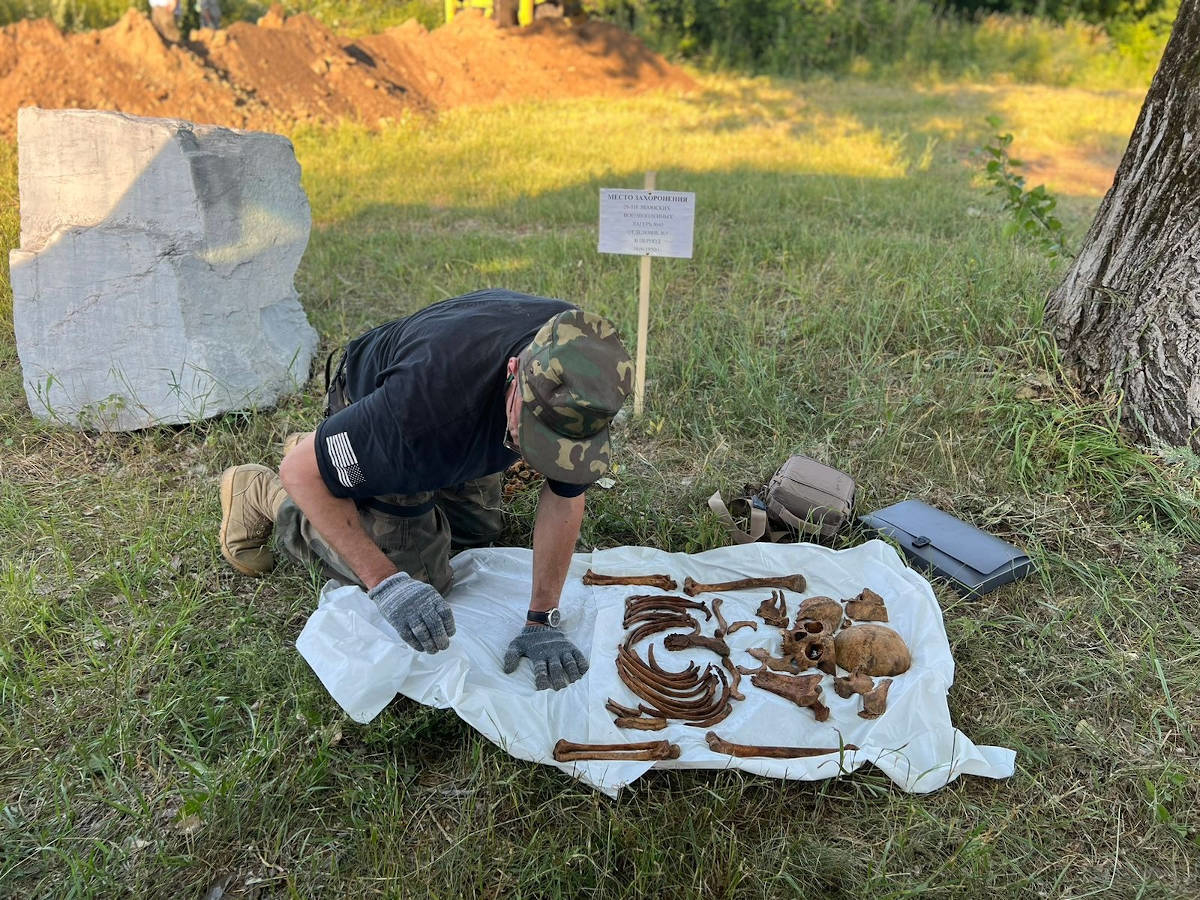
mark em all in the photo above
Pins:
pixel 154 281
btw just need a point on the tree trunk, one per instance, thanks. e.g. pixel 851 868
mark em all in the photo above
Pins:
pixel 1127 315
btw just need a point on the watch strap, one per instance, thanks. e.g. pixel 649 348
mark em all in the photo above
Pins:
pixel 543 617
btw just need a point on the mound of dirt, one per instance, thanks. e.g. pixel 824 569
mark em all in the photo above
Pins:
pixel 282 71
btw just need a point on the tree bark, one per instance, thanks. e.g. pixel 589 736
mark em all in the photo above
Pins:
pixel 1127 315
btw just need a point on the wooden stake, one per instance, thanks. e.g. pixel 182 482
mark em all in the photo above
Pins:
pixel 639 373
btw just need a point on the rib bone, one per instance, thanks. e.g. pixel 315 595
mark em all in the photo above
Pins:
pixel 790 582
pixel 665 601
pixel 663 582
pixel 566 751
pixel 717 745
pixel 736 675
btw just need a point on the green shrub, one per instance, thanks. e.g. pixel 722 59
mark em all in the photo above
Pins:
pixel 900 37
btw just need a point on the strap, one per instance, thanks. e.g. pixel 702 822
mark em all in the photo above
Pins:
pixel 404 512
pixel 785 515
pixel 758 520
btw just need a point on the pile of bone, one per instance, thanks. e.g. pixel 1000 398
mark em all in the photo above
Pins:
pixel 825 635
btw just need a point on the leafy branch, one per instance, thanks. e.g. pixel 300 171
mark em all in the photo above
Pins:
pixel 1032 210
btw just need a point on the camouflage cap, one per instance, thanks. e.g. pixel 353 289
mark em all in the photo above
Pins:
pixel 575 376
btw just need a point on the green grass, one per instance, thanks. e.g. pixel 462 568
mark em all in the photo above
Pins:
pixel 852 296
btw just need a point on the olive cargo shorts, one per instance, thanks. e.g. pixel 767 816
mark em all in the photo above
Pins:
pixel 419 542
pixel 464 516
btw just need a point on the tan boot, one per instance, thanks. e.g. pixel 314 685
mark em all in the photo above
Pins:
pixel 290 442
pixel 250 497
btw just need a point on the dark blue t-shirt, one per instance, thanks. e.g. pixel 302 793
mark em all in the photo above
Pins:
pixel 427 394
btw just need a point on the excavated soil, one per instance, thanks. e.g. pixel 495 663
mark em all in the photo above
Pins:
pixel 282 71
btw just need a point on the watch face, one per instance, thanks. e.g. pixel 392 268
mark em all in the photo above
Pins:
pixel 553 617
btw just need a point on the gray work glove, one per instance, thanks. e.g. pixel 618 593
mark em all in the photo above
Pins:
pixel 416 611
pixel 556 661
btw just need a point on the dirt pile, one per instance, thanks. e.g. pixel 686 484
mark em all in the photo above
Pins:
pixel 282 71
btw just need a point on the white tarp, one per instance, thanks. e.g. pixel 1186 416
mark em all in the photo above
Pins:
pixel 363 663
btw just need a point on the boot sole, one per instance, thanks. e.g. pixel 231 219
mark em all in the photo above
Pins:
pixel 226 506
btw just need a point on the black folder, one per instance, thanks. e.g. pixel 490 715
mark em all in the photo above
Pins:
pixel 973 561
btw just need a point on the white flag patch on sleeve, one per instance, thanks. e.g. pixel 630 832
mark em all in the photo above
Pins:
pixel 341 454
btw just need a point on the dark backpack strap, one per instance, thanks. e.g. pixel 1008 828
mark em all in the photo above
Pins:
pixel 335 385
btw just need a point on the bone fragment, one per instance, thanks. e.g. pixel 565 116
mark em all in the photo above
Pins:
pixel 783 664
pixel 621 711
pixel 846 686
pixel 773 610
pixel 803 690
pixel 724 629
pixel 796 583
pixel 867 607
pixel 663 582
pixel 825 610
pixel 567 751
pixel 641 723
pixel 875 702
pixel 689 641
pixel 717 745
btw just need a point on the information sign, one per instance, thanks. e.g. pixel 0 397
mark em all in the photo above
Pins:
pixel 647 223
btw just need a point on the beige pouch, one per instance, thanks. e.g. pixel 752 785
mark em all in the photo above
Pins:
pixel 803 497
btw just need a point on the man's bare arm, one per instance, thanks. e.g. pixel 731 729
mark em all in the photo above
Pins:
pixel 335 519
pixel 555 531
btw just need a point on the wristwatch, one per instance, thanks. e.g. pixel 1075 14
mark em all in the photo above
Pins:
pixel 550 617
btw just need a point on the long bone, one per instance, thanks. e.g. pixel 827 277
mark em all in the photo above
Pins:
pixel 663 582
pixel 796 583
pixel 724 629
pixel 717 745
pixel 568 751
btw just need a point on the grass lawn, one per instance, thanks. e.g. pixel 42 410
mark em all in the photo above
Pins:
pixel 852 296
